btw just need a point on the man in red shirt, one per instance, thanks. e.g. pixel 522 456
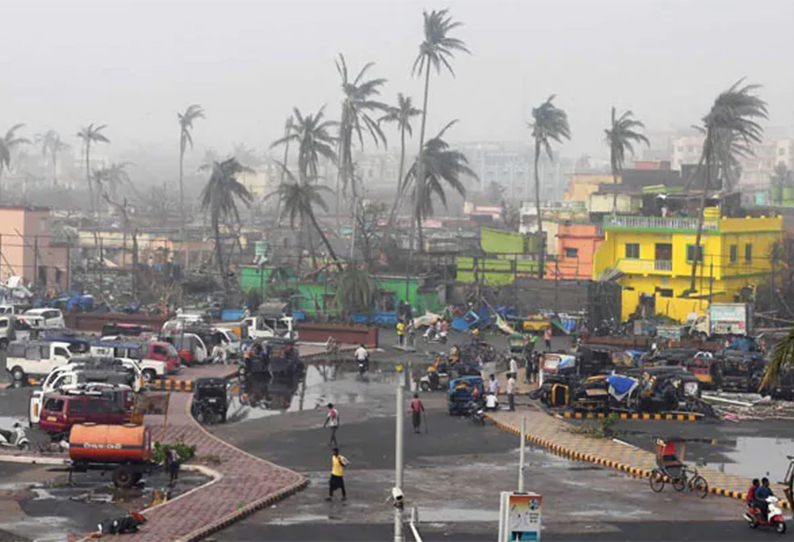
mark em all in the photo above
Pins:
pixel 417 408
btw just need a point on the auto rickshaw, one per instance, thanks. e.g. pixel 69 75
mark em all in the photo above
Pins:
pixel 704 367
pixel 210 400
pixel 461 392
pixel 440 372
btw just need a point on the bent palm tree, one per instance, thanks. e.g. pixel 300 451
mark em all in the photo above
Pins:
pixel 110 178
pixel 219 198
pixel 731 127
pixel 357 107
pixel 311 134
pixel 781 360
pixel 7 144
pixel 90 135
pixel 355 290
pixel 621 136
pixel 298 199
pixel 441 166
pixel 192 113
pixel 400 115
pixel 549 123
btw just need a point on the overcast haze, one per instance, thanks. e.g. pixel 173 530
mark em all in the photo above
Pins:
pixel 133 64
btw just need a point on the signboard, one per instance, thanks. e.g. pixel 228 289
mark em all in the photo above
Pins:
pixel 519 517
pixel 669 332
pixel 728 318
pixel 153 404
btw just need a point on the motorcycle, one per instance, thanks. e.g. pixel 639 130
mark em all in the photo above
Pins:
pixel 434 336
pixel 363 367
pixel 755 516
pixel 476 413
pixel 17 438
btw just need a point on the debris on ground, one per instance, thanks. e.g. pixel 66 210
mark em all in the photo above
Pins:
pixel 737 407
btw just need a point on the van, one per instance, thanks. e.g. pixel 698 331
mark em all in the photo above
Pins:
pixel 61 411
pixel 51 318
pixel 7 331
pixel 155 358
pixel 120 329
pixel 35 358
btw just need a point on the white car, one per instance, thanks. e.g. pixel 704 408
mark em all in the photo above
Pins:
pixel 50 318
pixel 37 358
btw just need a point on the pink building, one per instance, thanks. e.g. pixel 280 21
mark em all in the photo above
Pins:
pixel 27 249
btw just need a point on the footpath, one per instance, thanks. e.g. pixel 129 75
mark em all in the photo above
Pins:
pixel 555 435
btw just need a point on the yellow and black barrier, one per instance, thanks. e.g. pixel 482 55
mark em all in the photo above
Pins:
pixel 171 385
pixel 670 417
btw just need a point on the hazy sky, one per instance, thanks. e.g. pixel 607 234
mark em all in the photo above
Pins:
pixel 133 64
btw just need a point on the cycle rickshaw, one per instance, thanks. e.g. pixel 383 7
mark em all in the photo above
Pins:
pixel 670 467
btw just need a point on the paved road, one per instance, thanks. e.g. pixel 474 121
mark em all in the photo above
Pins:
pixel 453 475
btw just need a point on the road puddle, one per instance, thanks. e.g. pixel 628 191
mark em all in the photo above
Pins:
pixel 754 457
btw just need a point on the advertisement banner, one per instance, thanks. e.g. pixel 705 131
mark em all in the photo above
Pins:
pixel 520 517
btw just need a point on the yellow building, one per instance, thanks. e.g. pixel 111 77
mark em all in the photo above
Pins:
pixel 654 257
pixel 581 185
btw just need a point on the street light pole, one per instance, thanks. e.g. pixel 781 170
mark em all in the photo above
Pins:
pixel 398 464
pixel 521 455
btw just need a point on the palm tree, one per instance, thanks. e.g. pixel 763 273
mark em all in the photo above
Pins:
pixel 441 166
pixel 731 127
pixel 437 50
pixel 311 134
pixel 110 178
pixel 192 113
pixel 285 161
pixel 219 198
pixel 549 123
pixel 358 105
pixel 781 179
pixel 298 199
pixel 355 290
pixel 7 145
pixel 401 115
pixel 782 359
pixel 621 136
pixel 56 146
pixel 91 134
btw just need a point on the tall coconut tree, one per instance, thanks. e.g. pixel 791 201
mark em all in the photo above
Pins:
pixel 91 135
pixel 312 135
pixel 7 145
pixel 220 198
pixel 623 133
pixel 731 127
pixel 186 119
pixel 443 168
pixel 549 124
pixel 401 115
pixel 436 51
pixel 298 201
pixel 55 147
pixel 285 161
pixel 359 104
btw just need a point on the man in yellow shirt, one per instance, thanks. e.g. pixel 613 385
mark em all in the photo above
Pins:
pixel 400 333
pixel 337 481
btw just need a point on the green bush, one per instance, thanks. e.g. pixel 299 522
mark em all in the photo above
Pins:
pixel 160 451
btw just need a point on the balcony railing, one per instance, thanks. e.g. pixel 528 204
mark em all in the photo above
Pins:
pixel 657 223
pixel 637 267
pixel 663 265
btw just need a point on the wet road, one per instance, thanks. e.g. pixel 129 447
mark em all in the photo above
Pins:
pixel 453 475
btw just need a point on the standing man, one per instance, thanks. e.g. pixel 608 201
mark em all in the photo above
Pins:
pixel 513 367
pixel 511 391
pixel 400 332
pixel 332 420
pixel 547 338
pixel 362 356
pixel 417 408
pixel 174 463
pixel 493 386
pixel 411 335
pixel 337 481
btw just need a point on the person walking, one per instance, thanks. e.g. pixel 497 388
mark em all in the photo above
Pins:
pixel 400 333
pixel 411 339
pixel 511 391
pixel 513 367
pixel 493 385
pixel 337 480
pixel 417 408
pixel 174 463
pixel 547 338
pixel 332 421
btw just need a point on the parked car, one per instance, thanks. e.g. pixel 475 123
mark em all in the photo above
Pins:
pixel 51 318
pixel 61 411
pixel 35 358
pixel 155 359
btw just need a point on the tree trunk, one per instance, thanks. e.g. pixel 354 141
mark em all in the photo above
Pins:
pixel 325 240
pixel 287 130
pixel 54 168
pixel 542 239
pixel 395 208
pixel 134 262
pixel 181 189
pixel 91 192
pixel 615 188
pixel 219 251
pixel 1 182
pixel 420 166
pixel 695 257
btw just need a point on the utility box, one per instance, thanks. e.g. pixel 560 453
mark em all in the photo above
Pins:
pixel 519 516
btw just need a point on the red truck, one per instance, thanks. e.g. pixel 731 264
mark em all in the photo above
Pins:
pixel 60 412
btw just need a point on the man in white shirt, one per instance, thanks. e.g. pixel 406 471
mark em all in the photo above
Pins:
pixel 511 390
pixel 513 367
pixel 362 356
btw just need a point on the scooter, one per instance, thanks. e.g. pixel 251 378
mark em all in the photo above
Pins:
pixel 17 438
pixel 434 336
pixel 755 517
pixel 363 365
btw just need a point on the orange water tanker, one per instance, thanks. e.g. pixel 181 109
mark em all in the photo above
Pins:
pixel 92 443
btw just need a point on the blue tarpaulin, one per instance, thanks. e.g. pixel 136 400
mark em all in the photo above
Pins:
pixel 376 318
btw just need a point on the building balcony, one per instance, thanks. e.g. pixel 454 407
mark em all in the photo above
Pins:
pixel 645 267
pixel 658 224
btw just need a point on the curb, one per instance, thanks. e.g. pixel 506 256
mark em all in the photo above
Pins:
pixel 625 416
pixel 33 460
pixel 635 472
pixel 171 385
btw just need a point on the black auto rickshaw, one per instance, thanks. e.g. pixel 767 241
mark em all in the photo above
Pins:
pixel 210 400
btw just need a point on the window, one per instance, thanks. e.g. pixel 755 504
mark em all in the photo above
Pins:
pixel 3 323
pixel 33 352
pixel 690 253
pixel 571 252
pixel 61 351
pixel 748 252
pixel 159 350
pixel 75 407
pixel 734 255
pixel 16 350
pixel 95 406
pixel 665 292
pixel 53 405
pixel 633 251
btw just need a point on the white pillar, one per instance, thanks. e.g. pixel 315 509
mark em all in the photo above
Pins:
pixel 521 455
pixel 398 462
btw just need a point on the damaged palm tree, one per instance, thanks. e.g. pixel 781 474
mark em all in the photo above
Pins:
pixel 7 144
pixel 621 136
pixel 355 290
pixel 186 119
pixel 220 198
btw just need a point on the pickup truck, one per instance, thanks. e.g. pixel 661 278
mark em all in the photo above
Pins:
pixel 35 358
pixel 266 326
pixel 156 359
